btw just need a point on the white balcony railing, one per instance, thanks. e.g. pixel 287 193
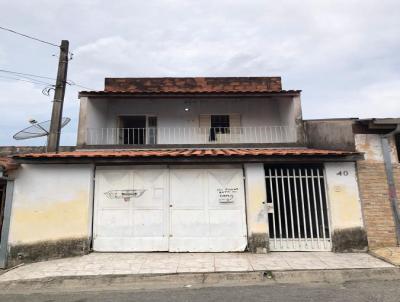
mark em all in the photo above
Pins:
pixel 177 135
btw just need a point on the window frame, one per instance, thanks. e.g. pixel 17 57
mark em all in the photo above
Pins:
pixel 224 129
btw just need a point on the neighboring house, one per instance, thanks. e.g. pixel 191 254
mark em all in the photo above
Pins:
pixel 378 174
pixel 186 165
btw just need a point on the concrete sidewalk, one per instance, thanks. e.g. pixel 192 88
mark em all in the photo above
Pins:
pixel 101 264
pixel 389 254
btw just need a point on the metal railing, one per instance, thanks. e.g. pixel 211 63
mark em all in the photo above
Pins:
pixel 190 135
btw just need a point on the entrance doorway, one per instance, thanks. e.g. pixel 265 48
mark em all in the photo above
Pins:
pixel 133 130
pixel 297 206
pixel 137 130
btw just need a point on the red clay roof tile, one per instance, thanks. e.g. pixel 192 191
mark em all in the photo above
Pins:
pixel 191 85
pixel 187 153
pixel 8 164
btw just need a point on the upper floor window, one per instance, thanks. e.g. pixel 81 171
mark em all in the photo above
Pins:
pixel 220 123
pixel 397 142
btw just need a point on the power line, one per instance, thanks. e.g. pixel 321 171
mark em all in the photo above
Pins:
pixel 28 75
pixel 25 80
pixel 74 84
pixel 29 37
pixel 17 76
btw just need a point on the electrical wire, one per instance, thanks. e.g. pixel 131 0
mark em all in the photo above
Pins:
pixel 26 80
pixel 29 75
pixel 84 87
pixel 26 74
pixel 71 54
pixel 29 37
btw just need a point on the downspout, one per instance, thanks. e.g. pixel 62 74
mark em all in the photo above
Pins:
pixel 390 179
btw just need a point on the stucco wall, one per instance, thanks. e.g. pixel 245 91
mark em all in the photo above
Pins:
pixel 335 134
pixel 371 146
pixel 257 220
pixel 51 205
pixel 345 207
pixel 254 112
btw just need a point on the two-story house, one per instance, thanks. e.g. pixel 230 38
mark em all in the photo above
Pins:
pixel 186 165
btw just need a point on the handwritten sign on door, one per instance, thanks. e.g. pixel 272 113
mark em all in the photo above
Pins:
pixel 227 195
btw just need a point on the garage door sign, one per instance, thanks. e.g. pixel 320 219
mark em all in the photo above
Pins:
pixel 126 195
pixel 227 195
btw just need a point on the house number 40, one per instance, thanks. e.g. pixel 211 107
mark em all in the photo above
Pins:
pixel 342 173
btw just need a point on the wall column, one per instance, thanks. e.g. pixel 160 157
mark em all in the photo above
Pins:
pixel 347 226
pixel 257 224
pixel 6 224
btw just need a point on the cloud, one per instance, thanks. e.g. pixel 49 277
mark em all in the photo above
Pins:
pixel 342 54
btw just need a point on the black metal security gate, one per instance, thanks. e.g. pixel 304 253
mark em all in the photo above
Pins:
pixel 297 208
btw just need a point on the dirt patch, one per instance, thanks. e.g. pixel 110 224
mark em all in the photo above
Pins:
pixel 349 240
pixel 258 243
pixel 46 250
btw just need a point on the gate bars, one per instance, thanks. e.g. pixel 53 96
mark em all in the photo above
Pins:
pixel 297 208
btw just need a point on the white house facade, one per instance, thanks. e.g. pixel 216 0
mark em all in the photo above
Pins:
pixel 185 165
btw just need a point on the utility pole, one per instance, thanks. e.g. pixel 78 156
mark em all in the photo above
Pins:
pixel 53 141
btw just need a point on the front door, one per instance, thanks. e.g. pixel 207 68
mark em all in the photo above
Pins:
pixel 297 208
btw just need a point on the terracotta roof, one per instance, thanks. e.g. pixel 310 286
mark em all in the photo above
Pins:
pixel 7 164
pixel 129 93
pixel 192 85
pixel 186 153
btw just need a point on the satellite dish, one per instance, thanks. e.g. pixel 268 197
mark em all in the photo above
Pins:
pixel 38 129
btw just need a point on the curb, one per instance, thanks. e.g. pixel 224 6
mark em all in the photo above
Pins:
pixel 88 283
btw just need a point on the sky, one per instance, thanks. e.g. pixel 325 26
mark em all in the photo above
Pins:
pixel 343 55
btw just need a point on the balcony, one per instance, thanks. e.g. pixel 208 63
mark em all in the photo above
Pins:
pixel 190 136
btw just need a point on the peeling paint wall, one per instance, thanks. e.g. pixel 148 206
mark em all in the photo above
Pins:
pixel 257 224
pixel 345 207
pixel 371 145
pixel 51 203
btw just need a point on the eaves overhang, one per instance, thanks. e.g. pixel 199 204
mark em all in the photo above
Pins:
pixel 130 94
pixel 171 156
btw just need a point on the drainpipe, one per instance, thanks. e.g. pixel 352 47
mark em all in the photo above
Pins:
pixel 390 179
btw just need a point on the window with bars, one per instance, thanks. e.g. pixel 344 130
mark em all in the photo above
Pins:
pixel 219 125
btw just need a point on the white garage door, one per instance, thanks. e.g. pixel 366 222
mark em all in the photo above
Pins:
pixel 207 210
pixel 178 210
pixel 131 209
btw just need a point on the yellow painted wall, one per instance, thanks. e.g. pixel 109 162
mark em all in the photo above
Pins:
pixel 255 197
pixel 51 202
pixel 343 195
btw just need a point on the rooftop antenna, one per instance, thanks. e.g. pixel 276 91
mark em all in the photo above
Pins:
pixel 38 129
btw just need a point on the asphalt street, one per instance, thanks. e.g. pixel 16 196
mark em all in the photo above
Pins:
pixel 366 291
